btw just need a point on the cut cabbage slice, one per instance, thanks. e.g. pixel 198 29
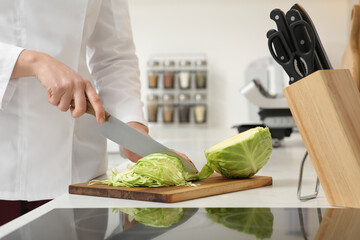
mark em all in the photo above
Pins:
pixel 240 156
pixel 154 170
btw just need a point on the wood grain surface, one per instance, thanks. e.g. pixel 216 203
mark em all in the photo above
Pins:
pixel 351 57
pixel 339 223
pixel 213 185
pixel 326 109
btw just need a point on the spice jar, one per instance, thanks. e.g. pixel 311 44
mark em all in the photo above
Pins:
pixel 153 73
pixel 168 108
pixel 200 108
pixel 184 108
pixel 152 107
pixel 185 74
pixel 169 74
pixel 201 74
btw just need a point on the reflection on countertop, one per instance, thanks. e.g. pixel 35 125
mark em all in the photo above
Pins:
pixel 193 223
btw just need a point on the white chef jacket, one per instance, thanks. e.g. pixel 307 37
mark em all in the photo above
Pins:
pixel 42 149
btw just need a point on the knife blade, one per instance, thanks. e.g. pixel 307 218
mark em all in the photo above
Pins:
pixel 130 138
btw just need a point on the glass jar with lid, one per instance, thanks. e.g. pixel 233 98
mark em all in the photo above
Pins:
pixel 153 73
pixel 200 108
pixel 201 73
pixel 169 74
pixel 152 107
pixel 185 74
pixel 184 108
pixel 168 108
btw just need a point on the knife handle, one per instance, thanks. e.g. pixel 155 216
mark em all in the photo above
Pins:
pixel 90 109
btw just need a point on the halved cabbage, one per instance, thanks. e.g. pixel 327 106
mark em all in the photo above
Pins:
pixel 240 156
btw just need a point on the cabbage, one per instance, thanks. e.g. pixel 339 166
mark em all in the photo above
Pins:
pixel 155 217
pixel 254 221
pixel 154 170
pixel 240 156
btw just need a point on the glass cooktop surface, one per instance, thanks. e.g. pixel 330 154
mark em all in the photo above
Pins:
pixel 192 223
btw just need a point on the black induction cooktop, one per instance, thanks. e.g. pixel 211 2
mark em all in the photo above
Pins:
pixel 193 223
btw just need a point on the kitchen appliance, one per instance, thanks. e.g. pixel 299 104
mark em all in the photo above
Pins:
pixel 214 185
pixel 192 223
pixel 135 141
pixel 267 105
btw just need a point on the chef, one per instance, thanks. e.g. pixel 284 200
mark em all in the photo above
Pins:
pixel 53 52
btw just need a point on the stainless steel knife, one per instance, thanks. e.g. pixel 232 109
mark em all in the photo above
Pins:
pixel 128 137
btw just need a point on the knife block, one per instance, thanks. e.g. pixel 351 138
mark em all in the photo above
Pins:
pixel 326 108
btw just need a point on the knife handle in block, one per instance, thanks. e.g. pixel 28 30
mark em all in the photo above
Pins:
pixel 90 109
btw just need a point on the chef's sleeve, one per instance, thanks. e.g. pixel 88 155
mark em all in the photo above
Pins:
pixel 8 57
pixel 113 63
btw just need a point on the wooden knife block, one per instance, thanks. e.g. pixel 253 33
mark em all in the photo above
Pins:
pixel 326 108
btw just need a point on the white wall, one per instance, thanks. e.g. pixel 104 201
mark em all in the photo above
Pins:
pixel 232 33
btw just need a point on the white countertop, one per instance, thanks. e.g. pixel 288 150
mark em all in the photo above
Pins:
pixel 283 167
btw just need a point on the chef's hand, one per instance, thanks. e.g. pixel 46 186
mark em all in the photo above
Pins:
pixel 144 130
pixel 61 82
pixel 184 156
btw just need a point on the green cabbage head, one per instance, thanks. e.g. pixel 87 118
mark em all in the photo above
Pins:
pixel 154 170
pixel 240 156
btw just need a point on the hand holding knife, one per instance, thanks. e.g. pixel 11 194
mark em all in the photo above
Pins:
pixel 135 141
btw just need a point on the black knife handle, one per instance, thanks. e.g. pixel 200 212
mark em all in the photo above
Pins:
pixel 276 49
pixel 280 19
pixel 319 49
pixel 294 15
pixel 277 44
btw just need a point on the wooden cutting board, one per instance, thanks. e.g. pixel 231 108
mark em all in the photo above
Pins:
pixel 213 185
